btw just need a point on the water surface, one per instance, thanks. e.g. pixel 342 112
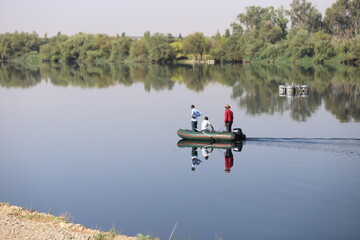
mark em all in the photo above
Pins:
pixel 101 144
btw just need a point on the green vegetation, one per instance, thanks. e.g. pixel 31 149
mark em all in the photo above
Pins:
pixel 196 44
pixel 258 35
pixel 106 235
pixel 140 236
pixel 112 234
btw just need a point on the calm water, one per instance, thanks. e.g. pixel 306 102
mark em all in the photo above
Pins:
pixel 101 144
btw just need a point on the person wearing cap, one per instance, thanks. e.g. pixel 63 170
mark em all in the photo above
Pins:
pixel 229 118
pixel 194 115
pixel 206 126
pixel 229 160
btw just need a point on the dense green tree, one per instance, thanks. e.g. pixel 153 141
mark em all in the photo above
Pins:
pixel 269 33
pixel 120 49
pixel 72 48
pixel 52 50
pixel 233 50
pixel 281 20
pixel 271 52
pixel 196 44
pixel 237 29
pixel 45 52
pixel 323 48
pixel 103 44
pixel 86 48
pixel 252 18
pixel 177 48
pixel 14 45
pixel 355 15
pixel 343 18
pixel 216 50
pixel 258 20
pixel 227 33
pixel 304 15
pixel 263 26
pixel 139 50
pixel 253 47
pixel 354 50
pixel 159 48
pixel 299 44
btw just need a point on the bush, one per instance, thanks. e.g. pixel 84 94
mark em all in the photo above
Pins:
pixel 323 48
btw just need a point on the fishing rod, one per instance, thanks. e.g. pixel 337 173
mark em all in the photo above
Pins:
pixel 172 125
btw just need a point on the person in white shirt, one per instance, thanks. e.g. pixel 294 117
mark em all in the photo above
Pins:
pixel 206 126
pixel 206 152
pixel 194 115
pixel 194 158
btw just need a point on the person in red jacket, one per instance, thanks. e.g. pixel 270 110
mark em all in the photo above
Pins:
pixel 229 117
pixel 229 160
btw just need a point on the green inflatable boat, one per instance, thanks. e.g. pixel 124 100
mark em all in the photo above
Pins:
pixel 235 135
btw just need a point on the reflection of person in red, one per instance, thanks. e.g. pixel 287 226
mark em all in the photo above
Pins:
pixel 229 160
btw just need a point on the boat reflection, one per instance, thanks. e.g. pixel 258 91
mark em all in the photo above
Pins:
pixel 207 148
pixel 237 146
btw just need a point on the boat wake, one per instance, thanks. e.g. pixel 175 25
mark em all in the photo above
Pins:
pixel 348 146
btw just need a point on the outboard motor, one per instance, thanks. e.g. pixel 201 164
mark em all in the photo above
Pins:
pixel 238 146
pixel 239 134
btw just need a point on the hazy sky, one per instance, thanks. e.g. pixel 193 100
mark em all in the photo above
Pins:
pixel 133 17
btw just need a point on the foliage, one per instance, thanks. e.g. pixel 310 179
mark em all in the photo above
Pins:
pixel 343 18
pixel 323 48
pixel 177 48
pixel 304 15
pixel 112 234
pixel 140 236
pixel 354 50
pixel 139 50
pixel 196 44
pixel 299 44
pixel 232 50
pixel 257 34
pixel 120 49
pixel 160 49
pixel 16 44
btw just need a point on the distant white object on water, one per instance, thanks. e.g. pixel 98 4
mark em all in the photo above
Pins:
pixel 293 90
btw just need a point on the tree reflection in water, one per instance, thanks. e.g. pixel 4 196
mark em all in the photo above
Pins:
pixel 254 87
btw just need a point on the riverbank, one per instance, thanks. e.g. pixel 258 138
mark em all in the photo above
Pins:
pixel 20 223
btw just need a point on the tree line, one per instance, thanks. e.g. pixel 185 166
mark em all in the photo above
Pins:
pixel 263 34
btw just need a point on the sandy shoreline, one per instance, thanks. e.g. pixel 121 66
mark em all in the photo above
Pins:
pixel 20 223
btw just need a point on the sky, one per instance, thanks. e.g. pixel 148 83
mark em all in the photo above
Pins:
pixel 134 17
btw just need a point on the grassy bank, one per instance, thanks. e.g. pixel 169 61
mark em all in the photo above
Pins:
pixel 20 223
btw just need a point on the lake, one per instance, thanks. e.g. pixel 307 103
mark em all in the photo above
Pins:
pixel 100 143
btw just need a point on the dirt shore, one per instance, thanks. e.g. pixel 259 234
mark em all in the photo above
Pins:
pixel 19 223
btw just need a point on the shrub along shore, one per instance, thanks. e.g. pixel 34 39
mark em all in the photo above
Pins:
pixel 272 35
